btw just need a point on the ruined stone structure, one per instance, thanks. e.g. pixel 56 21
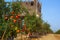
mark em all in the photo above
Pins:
pixel 33 6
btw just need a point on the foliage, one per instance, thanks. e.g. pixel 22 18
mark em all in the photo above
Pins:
pixel 33 23
pixel 57 32
pixel 13 20
pixel 10 19
pixel 46 28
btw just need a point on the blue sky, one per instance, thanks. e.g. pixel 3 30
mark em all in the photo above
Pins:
pixel 51 12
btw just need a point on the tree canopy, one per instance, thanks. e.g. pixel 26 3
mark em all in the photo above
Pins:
pixel 57 32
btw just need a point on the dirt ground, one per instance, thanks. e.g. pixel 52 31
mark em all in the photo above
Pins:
pixel 46 37
pixel 51 37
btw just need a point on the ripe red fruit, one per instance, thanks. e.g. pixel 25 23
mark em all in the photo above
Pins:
pixel 14 21
pixel 17 16
pixel 12 17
